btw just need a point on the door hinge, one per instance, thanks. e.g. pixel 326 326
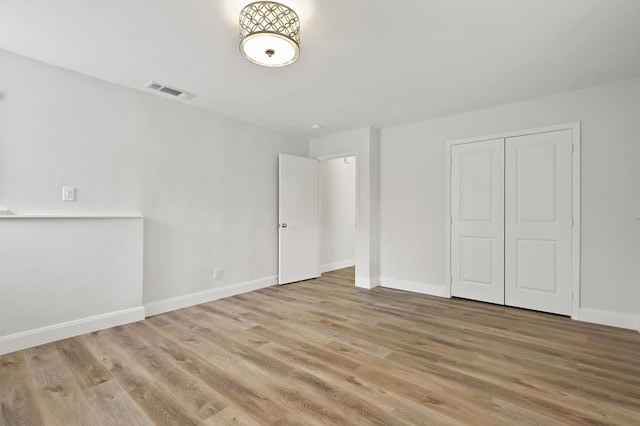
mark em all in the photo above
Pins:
pixel 573 148
pixel 572 222
pixel 450 279
pixel 450 220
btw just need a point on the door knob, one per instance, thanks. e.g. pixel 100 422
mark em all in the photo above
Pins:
pixel 284 225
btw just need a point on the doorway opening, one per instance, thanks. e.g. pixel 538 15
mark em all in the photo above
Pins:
pixel 337 178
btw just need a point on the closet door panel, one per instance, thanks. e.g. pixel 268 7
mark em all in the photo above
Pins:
pixel 477 221
pixel 538 222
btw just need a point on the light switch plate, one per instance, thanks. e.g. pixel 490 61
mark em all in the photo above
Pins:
pixel 68 193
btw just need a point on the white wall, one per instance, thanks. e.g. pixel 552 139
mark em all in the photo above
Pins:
pixel 412 222
pixel 337 213
pixel 206 184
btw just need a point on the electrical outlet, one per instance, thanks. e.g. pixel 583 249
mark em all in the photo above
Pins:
pixel 68 193
pixel 217 274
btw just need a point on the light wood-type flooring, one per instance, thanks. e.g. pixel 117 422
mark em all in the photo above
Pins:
pixel 325 352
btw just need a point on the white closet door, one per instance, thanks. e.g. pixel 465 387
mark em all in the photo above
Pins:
pixel 477 221
pixel 538 222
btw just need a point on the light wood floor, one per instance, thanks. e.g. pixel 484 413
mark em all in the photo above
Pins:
pixel 324 352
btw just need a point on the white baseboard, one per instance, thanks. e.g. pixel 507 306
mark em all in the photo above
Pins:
pixel 416 287
pixel 51 333
pixel 337 265
pixel 167 305
pixel 367 283
pixel 614 319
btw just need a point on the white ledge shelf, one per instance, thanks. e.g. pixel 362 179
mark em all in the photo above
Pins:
pixel 67 216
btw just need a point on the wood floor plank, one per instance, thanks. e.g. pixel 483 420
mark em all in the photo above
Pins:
pixel 303 388
pixel 301 392
pixel 188 390
pixel 87 370
pixel 325 352
pixel 113 406
pixel 404 410
pixel 57 392
pixel 217 369
pixel 157 403
pixel 229 416
pixel 18 405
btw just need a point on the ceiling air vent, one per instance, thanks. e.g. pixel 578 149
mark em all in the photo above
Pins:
pixel 170 90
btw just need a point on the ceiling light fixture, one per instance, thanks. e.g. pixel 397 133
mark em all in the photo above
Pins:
pixel 269 34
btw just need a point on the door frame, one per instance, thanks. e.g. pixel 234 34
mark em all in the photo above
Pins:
pixel 575 200
pixel 334 157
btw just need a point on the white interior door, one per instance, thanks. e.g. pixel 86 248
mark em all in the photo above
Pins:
pixel 298 224
pixel 538 221
pixel 477 221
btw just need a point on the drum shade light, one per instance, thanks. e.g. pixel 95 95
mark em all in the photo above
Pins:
pixel 269 34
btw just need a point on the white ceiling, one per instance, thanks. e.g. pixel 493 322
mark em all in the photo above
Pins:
pixel 377 63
